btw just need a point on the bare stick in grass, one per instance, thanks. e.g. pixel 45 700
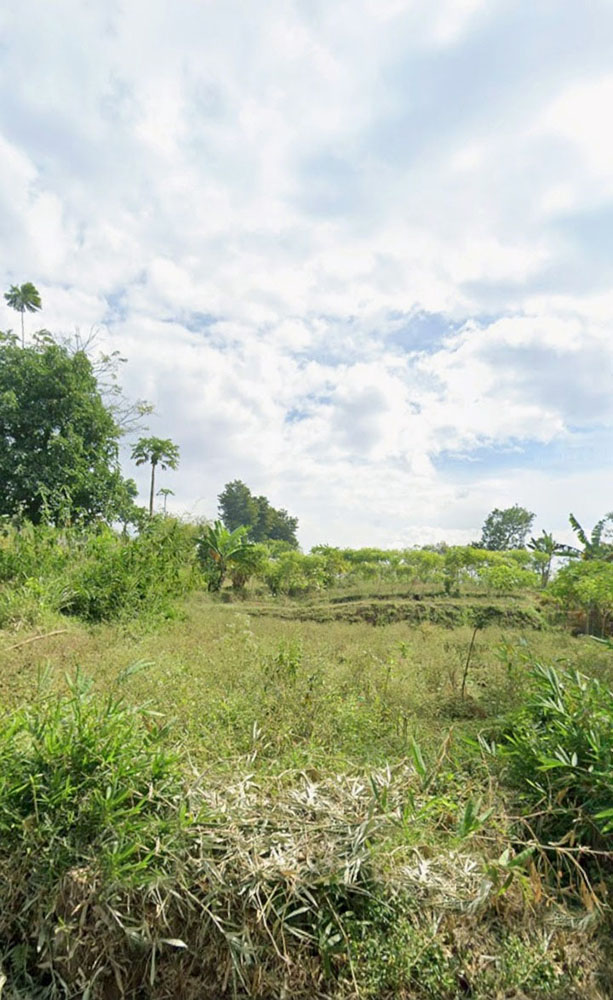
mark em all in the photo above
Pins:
pixel 36 638
pixel 478 626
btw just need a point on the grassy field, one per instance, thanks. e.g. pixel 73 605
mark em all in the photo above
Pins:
pixel 343 834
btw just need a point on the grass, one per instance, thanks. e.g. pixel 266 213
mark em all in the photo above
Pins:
pixel 338 835
pixel 284 691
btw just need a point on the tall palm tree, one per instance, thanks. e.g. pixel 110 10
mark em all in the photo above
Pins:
pixel 157 451
pixel 23 298
pixel 165 492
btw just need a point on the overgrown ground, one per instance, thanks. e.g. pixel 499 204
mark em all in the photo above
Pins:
pixel 343 834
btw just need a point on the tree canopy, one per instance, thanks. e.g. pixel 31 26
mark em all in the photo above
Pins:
pixel 506 529
pixel 239 508
pixel 58 441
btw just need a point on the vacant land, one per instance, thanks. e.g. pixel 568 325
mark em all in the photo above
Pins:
pixel 344 833
pixel 278 684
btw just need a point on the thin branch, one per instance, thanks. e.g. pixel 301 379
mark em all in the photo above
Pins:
pixel 35 638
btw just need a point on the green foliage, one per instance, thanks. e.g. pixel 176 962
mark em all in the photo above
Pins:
pixel 293 574
pixel 507 528
pixel 29 550
pixel 118 577
pixel 559 754
pixel 95 574
pixel 221 550
pixel 500 572
pixel 399 952
pixel 89 791
pixel 413 567
pixel 598 545
pixel 58 441
pixel 77 775
pixel 394 954
pixel 545 548
pixel 505 579
pixel 250 561
pixel 587 586
pixel 239 508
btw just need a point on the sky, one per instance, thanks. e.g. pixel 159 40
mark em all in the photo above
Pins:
pixel 358 253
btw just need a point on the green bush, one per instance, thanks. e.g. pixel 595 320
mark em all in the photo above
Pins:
pixel 559 755
pixel 32 602
pixel 87 786
pixel 119 577
pixel 33 551
pixel 295 574
pixel 94 573
pixel 505 579
pixel 587 586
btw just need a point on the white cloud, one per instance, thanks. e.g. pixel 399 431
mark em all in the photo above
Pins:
pixel 261 202
pixel 581 115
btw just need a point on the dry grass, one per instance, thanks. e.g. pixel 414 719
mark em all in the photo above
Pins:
pixel 275 892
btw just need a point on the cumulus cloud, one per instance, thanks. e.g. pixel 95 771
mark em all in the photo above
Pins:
pixel 355 252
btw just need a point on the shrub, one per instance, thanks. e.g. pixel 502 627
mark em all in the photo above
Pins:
pixel 119 577
pixel 559 754
pixel 587 586
pixel 294 574
pixel 88 791
pixel 94 573
pixel 505 579
pixel 33 551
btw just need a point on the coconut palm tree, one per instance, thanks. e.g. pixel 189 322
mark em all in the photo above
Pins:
pixel 23 298
pixel 157 451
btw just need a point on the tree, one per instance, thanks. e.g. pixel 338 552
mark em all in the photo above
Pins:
pixel 238 507
pixel 165 493
pixel 545 548
pixel 597 545
pixel 23 298
pixel 506 529
pixel 156 451
pixel 587 586
pixel 220 550
pixel 59 443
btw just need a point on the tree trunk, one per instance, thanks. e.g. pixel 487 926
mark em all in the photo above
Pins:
pixel 23 336
pixel 151 491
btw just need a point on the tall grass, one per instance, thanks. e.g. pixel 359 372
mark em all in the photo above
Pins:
pixel 96 573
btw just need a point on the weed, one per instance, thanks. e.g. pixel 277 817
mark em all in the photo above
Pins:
pixel 559 753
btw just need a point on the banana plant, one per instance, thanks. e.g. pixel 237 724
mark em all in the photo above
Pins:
pixel 593 547
pixel 546 547
pixel 219 550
